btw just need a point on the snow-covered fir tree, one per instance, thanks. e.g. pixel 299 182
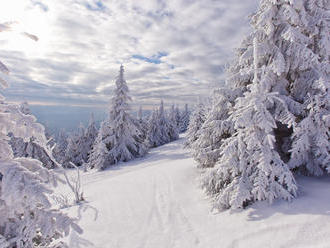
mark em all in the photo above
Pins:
pixel 119 138
pixel 143 125
pixel 90 135
pixel 154 131
pixel 75 149
pixel 197 119
pixel 60 147
pixel 163 124
pixel 172 124
pixel 80 144
pixel 250 167
pixel 177 117
pixel 31 148
pixel 184 119
pixel 278 72
pixel 27 218
pixel 160 129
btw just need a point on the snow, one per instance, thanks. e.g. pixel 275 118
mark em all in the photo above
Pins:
pixel 155 201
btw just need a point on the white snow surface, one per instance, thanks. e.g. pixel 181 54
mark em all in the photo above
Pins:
pixel 156 202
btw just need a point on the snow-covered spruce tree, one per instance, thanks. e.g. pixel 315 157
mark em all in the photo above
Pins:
pixel 154 132
pixel 215 129
pixel 163 124
pixel 31 148
pixel 293 41
pixel 173 129
pixel 250 168
pixel 90 135
pixel 311 147
pixel 99 153
pixel 160 128
pixel 197 119
pixel 177 117
pixel 184 119
pixel 80 144
pixel 27 218
pixel 61 145
pixel 119 135
pixel 74 152
pixel 143 125
pixel 284 49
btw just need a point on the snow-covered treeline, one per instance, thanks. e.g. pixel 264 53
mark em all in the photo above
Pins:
pixel 122 136
pixel 272 119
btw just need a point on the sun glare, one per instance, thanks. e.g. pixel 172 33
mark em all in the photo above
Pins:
pixel 26 18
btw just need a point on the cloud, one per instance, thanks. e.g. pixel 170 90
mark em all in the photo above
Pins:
pixel 173 50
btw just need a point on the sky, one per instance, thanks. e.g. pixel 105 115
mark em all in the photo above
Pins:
pixel 175 50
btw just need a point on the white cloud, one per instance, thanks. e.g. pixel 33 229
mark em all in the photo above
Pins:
pixel 83 42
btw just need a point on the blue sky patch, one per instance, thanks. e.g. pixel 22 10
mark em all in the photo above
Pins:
pixel 154 59
pixel 97 6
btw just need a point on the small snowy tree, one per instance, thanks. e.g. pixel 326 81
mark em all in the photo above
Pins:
pixel 163 124
pixel 74 152
pixel 119 135
pixel 184 119
pixel 154 132
pixel 173 129
pixel 90 135
pixel 162 128
pixel 61 145
pixel 177 117
pixel 197 119
pixel 99 155
pixel 143 125
pixel 80 144
pixel 27 218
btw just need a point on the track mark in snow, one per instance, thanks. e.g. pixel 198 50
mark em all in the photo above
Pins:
pixel 166 224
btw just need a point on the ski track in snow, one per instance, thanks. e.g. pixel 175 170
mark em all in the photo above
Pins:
pixel 155 202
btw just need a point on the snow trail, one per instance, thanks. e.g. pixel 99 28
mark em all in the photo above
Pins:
pixel 155 202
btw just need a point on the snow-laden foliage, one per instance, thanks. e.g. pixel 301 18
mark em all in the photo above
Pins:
pixel 249 167
pixel 80 144
pixel 284 85
pixel 27 218
pixel 162 127
pixel 90 135
pixel 196 121
pixel 184 119
pixel 119 138
pixel 31 148
pixel 60 147
pixel 177 117
pixel 74 152
pixel 310 150
pixel 143 125
pixel 215 128
pixel 173 129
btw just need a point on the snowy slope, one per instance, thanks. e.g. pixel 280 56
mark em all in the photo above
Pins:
pixel 155 202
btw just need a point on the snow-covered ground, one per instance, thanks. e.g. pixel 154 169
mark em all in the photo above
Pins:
pixel 155 202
